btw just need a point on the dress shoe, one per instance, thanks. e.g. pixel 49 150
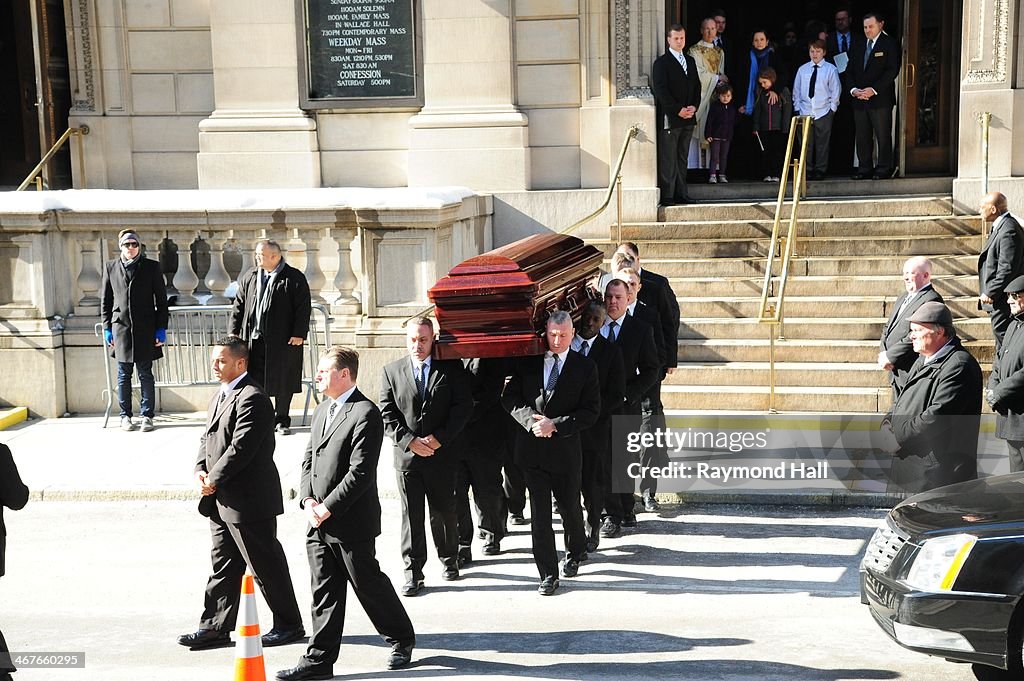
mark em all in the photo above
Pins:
pixel 610 529
pixel 548 586
pixel 280 637
pixel 593 543
pixel 465 556
pixel 480 534
pixel 570 567
pixel 300 673
pixel 205 638
pixel 629 521
pixel 518 519
pixel 450 574
pixel 400 656
pixel 412 587
pixel 282 429
pixel 861 176
pixel 492 549
pixel 651 504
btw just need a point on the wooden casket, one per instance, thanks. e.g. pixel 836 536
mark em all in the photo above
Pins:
pixel 496 304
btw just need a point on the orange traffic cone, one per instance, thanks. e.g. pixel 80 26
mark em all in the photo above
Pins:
pixel 248 645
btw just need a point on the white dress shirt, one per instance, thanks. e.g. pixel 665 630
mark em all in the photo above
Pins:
pixel 826 90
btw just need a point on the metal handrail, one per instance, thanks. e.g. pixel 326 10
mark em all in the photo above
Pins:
pixel 615 185
pixel 34 176
pixel 771 313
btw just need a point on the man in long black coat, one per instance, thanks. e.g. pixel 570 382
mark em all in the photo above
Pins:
pixel 338 493
pixel 13 495
pixel 241 495
pixel 1000 261
pixel 271 313
pixel 897 352
pixel 134 313
pixel 1005 392
pixel 676 87
pixel 937 413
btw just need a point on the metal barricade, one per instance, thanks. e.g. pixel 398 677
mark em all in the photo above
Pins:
pixel 191 333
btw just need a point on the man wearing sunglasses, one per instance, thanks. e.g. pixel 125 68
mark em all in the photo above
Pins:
pixel 134 323
pixel 1005 391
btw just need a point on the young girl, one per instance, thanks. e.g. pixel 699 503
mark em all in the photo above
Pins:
pixel 773 110
pixel 718 130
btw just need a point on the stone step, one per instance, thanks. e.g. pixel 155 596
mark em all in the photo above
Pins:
pixel 863 206
pixel 824 266
pixel 852 307
pixel 703 350
pixel 955 225
pixel 811 328
pixel 889 286
pixel 824 374
pixel 813 247
pixel 787 398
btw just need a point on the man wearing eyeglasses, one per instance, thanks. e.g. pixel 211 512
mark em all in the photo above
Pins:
pixel 1005 393
pixel 134 315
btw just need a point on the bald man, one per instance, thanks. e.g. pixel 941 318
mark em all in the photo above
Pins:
pixel 1000 262
pixel 897 353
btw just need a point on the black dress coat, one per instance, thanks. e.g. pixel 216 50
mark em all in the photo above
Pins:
pixel 287 316
pixel 1002 259
pixel 880 72
pixel 895 343
pixel 607 358
pixel 640 361
pixel 236 449
pixel 1007 383
pixel 133 310
pixel 675 89
pixel 339 469
pixel 444 412
pixel 938 412
pixel 574 406
pixel 13 495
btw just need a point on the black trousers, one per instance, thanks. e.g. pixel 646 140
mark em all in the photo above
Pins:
pixel 595 452
pixel 332 567
pixel 436 486
pixel 872 125
pixel 653 418
pixel 482 472
pixel 619 487
pixel 840 158
pixel 258 369
pixel 6 665
pixel 565 486
pixel 255 544
pixel 514 488
pixel 673 150
pixel 1016 454
pixel 1000 317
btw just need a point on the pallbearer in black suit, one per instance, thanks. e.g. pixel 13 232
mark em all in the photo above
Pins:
pixel 553 397
pixel 1005 393
pixel 597 440
pixel 338 494
pixel 641 368
pixel 482 457
pixel 425 404
pixel 241 495
pixel 897 354
pixel 657 293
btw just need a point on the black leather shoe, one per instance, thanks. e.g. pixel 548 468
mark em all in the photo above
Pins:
pixel 492 549
pixel 593 543
pixel 400 656
pixel 610 529
pixel 205 638
pixel 518 519
pixel 465 556
pixel 450 574
pixel 299 673
pixel 280 637
pixel 412 587
pixel 570 567
pixel 548 586
pixel 629 521
pixel 861 176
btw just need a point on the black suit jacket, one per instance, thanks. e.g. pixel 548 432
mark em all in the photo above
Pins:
pixel 1002 259
pixel 13 495
pixel 487 381
pixel 657 293
pixel 443 413
pixel 675 89
pixel 237 451
pixel 1007 383
pixel 340 469
pixel 133 310
pixel 639 360
pixel 880 72
pixel 607 359
pixel 898 348
pixel 574 405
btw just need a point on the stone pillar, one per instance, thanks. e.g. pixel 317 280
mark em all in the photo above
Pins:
pixel 185 279
pixel 217 279
pixel 345 281
pixel 89 277
pixel 314 272
pixel 470 131
pixel 257 136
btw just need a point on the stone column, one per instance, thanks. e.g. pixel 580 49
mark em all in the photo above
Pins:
pixel 314 272
pixel 257 135
pixel 217 279
pixel 470 131
pixel 185 279
pixel 345 281
pixel 89 277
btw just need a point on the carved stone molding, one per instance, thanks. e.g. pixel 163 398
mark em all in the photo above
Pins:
pixel 630 80
pixel 1000 22
pixel 84 79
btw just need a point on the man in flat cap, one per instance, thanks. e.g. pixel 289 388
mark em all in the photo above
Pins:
pixel 1005 393
pixel 937 412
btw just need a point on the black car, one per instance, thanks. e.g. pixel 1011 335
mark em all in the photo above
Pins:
pixel 945 575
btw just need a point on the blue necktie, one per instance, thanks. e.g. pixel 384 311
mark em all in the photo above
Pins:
pixel 553 376
pixel 867 52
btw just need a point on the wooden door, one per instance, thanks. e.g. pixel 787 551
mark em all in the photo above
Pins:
pixel 54 87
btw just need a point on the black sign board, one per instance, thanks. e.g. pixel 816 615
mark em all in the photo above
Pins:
pixel 360 50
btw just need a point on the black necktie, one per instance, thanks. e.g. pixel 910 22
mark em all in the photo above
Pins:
pixel 814 81
pixel 220 400
pixel 611 331
pixel 553 376
pixel 421 380
pixel 842 43
pixel 867 52
pixel 585 347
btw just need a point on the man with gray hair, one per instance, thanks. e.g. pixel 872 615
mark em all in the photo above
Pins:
pixel 897 352
pixel 937 412
pixel 271 314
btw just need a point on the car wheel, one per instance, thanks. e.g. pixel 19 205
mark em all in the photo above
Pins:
pixel 1015 660
pixel 983 672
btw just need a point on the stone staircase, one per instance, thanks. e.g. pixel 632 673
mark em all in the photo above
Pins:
pixel 842 287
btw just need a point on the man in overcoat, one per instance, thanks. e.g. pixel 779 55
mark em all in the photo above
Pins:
pixel 1005 393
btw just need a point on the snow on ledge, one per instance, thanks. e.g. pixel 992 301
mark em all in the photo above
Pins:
pixel 183 200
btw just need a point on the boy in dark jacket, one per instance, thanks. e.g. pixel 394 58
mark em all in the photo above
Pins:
pixel 773 110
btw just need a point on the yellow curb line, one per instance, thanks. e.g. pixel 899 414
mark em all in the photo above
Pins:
pixel 12 416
